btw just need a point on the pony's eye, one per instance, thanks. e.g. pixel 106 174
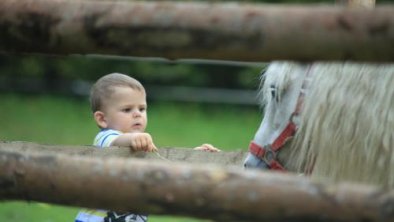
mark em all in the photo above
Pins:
pixel 274 93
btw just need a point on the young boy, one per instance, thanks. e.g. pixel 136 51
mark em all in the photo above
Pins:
pixel 119 108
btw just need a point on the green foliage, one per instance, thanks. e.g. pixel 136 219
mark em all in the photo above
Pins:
pixel 58 69
pixel 46 120
pixel 63 120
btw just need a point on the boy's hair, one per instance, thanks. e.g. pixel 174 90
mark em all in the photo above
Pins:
pixel 104 87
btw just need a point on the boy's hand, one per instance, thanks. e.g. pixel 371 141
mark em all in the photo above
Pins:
pixel 207 147
pixel 142 142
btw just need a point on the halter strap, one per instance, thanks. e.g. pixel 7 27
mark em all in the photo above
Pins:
pixel 269 152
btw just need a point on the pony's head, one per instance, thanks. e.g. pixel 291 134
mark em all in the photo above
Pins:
pixel 280 91
pixel 334 121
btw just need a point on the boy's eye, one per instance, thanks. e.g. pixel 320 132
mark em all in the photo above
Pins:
pixel 142 109
pixel 127 110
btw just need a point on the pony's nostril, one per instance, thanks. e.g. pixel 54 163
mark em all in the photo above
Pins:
pixel 248 164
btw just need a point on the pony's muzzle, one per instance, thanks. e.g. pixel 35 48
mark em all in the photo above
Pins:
pixel 252 161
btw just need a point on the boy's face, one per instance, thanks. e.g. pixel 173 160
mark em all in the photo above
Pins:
pixel 126 110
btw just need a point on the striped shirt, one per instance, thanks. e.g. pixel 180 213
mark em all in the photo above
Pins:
pixel 105 137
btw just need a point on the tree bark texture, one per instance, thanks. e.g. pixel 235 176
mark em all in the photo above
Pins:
pixel 357 3
pixel 179 30
pixel 188 155
pixel 203 191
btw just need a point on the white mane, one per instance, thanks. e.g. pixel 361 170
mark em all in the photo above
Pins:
pixel 280 82
pixel 347 125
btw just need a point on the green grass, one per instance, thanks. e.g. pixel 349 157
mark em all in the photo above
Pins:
pixel 59 120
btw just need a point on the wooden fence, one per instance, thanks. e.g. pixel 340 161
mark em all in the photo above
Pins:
pixel 179 30
pixel 228 31
pixel 32 172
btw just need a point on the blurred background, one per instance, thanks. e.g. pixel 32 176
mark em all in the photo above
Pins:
pixel 44 99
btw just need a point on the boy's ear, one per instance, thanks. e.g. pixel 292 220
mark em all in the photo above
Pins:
pixel 99 117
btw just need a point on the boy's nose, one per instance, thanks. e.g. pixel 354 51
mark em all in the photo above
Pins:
pixel 136 113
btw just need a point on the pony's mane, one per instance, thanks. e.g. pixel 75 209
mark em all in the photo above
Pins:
pixel 347 125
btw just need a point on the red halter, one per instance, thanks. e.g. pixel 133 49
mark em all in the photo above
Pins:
pixel 269 152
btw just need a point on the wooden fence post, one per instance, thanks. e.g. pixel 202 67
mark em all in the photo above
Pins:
pixel 208 191
pixel 178 30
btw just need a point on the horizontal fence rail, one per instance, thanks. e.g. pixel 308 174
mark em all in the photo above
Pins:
pixel 179 30
pixel 203 191
pixel 188 155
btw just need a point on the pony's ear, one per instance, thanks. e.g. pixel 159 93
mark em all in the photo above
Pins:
pixel 100 119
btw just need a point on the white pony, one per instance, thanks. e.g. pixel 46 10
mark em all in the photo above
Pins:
pixel 333 121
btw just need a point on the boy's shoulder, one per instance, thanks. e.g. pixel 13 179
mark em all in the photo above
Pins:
pixel 105 137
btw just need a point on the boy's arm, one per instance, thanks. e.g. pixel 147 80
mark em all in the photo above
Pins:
pixel 136 141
